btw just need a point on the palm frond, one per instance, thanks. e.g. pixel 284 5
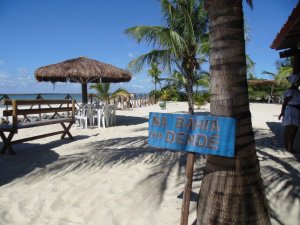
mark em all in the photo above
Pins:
pixel 249 2
pixel 168 10
pixel 102 90
pixel 120 92
pixel 269 73
pixel 162 57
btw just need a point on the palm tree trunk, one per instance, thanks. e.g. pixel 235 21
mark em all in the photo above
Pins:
pixel 189 91
pixel 232 190
pixel 155 92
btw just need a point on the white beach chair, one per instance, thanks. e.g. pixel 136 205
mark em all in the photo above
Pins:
pixel 106 112
pixel 85 115
pixel 113 119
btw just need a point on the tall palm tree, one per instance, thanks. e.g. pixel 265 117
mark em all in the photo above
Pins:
pixel 181 43
pixel 232 191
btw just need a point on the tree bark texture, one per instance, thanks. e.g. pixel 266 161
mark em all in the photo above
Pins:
pixel 232 191
pixel 189 91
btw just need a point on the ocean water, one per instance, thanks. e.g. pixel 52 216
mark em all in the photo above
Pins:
pixel 77 97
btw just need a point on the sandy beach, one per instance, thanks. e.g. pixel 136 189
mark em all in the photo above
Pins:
pixel 112 177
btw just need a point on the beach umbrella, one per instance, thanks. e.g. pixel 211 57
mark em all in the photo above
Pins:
pixel 82 70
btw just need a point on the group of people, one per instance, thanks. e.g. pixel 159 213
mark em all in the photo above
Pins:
pixel 290 113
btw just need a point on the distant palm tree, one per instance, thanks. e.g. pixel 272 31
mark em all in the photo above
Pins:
pixel 232 191
pixel 182 43
pixel 284 69
pixel 203 80
pixel 154 72
pixel 102 90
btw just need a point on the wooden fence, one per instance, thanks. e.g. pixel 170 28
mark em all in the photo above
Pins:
pixel 133 101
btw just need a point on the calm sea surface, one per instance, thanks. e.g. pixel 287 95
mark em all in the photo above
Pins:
pixel 77 97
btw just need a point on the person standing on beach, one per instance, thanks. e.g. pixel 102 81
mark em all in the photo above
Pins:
pixel 290 112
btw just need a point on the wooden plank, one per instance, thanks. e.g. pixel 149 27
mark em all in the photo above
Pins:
pixel 189 171
pixel 36 137
pixel 22 112
pixel 73 108
pixel 67 131
pixel 14 113
pixel 45 122
pixel 37 101
pixel 7 143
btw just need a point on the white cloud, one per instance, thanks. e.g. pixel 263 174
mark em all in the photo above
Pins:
pixel 138 86
pixel 5 79
pixel 24 79
pixel 131 55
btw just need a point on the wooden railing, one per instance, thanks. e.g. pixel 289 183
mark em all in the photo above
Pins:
pixel 133 101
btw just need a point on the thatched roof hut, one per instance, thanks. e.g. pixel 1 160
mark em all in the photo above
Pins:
pixel 82 70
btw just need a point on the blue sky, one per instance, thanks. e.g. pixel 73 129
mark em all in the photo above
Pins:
pixel 36 33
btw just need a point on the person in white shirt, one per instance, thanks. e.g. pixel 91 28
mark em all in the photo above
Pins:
pixel 290 112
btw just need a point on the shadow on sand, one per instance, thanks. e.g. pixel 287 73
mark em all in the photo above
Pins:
pixel 130 120
pixel 280 171
pixel 28 158
pixel 163 164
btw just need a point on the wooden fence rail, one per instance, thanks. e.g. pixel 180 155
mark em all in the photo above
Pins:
pixel 133 101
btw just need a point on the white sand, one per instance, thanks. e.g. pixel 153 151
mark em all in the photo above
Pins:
pixel 112 177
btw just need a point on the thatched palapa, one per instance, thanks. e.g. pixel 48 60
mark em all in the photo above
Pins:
pixel 82 70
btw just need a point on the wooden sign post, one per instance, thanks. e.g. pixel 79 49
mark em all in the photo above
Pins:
pixel 193 134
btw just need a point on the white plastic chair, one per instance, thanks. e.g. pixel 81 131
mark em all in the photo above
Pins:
pixel 113 119
pixel 106 111
pixel 85 114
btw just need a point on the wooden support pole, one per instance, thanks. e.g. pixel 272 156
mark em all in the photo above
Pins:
pixel 73 109
pixel 14 113
pixel 189 169
pixel 84 93
pixel 140 100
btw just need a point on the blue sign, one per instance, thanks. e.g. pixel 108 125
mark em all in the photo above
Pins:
pixel 202 134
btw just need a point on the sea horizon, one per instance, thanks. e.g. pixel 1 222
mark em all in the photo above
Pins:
pixel 50 96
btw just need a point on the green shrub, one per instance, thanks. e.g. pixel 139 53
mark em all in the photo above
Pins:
pixel 172 94
pixel 201 99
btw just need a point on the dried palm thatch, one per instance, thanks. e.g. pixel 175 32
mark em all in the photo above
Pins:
pixel 82 70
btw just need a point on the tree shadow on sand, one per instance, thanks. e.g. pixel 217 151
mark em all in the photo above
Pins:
pixel 130 120
pixel 163 164
pixel 280 171
pixel 29 157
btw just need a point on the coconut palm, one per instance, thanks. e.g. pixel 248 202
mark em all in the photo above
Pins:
pixel 154 72
pixel 102 90
pixel 284 69
pixel 203 80
pixel 232 191
pixel 181 43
